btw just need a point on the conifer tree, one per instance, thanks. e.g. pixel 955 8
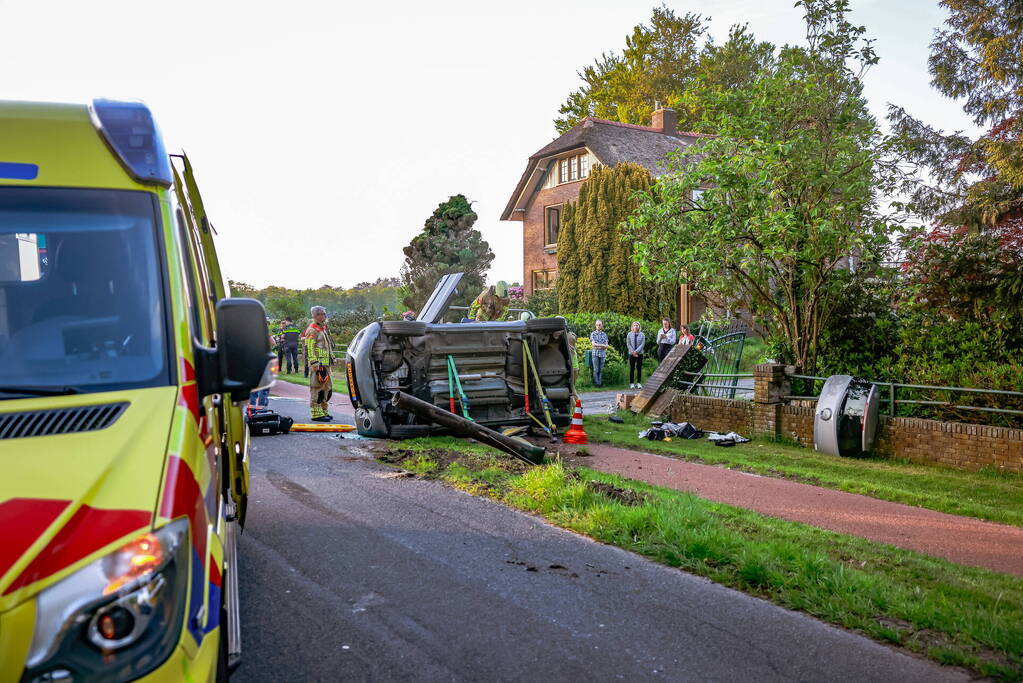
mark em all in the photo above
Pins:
pixel 568 262
pixel 447 244
pixel 596 273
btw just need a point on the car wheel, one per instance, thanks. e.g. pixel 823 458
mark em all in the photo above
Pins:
pixel 546 324
pixel 403 328
pixel 409 431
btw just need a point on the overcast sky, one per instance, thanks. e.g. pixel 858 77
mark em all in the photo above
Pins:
pixel 324 133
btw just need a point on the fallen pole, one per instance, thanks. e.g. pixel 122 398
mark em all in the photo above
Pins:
pixel 459 425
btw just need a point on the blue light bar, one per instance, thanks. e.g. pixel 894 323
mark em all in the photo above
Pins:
pixel 129 130
pixel 16 171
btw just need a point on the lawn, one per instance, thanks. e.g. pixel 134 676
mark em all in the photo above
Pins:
pixel 950 613
pixel 990 495
pixel 337 375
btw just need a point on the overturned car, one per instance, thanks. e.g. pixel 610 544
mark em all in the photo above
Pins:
pixel 496 373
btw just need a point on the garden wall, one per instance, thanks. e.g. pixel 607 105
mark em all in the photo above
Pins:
pixel 953 444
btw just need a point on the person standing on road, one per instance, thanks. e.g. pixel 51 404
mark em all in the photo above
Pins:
pixel 665 339
pixel 598 338
pixel 289 337
pixel 635 341
pixel 318 352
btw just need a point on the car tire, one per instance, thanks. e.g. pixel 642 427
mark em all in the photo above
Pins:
pixel 409 431
pixel 546 324
pixel 403 328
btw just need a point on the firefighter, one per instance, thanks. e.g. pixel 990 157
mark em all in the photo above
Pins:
pixel 318 348
pixel 491 303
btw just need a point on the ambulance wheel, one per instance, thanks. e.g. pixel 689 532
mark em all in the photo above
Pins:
pixel 546 325
pixel 403 328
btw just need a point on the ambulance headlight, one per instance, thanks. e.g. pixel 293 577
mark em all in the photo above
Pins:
pixel 116 618
pixel 128 128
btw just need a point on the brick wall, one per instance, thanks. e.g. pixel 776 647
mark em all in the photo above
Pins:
pixel 952 444
pixel 534 230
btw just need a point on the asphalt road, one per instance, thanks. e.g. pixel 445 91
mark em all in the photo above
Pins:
pixel 351 573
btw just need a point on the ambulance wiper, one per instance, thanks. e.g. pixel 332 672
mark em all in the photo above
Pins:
pixel 40 391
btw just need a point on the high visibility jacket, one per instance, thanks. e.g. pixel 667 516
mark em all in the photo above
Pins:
pixel 318 344
pixel 290 334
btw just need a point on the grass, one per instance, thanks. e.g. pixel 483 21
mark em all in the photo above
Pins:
pixel 338 377
pixel 952 614
pixel 986 494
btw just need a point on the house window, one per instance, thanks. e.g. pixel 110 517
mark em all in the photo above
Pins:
pixel 697 196
pixel 573 168
pixel 553 224
pixel 544 279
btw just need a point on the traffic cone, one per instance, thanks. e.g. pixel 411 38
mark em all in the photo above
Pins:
pixel 576 434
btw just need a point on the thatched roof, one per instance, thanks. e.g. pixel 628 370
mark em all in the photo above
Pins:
pixel 611 142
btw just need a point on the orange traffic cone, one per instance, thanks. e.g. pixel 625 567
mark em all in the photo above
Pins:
pixel 576 434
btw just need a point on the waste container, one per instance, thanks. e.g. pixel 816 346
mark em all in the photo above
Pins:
pixel 588 358
pixel 845 421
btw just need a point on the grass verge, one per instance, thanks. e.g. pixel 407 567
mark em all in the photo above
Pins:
pixel 338 378
pixel 950 613
pixel 991 495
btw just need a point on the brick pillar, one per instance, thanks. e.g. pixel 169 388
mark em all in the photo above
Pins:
pixel 771 384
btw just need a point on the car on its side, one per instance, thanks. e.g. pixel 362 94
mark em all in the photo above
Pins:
pixel 510 372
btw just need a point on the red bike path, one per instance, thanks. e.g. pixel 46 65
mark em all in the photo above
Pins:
pixel 963 540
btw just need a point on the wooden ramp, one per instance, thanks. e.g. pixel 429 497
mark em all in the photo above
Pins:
pixel 681 357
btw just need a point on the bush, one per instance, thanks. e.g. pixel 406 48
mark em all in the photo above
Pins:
pixel 544 303
pixel 617 327
pixel 615 368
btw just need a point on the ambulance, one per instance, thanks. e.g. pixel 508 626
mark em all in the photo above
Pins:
pixel 123 363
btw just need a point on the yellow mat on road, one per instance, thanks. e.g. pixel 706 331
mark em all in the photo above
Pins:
pixel 322 427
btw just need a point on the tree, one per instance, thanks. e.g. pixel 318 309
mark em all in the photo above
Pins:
pixel 595 268
pixel 975 183
pixel 969 263
pixel 447 244
pixel 788 189
pixel 242 289
pixel 661 63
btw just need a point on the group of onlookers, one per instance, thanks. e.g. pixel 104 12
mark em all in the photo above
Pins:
pixel 635 343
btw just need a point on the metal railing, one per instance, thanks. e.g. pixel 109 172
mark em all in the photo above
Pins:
pixel 695 384
pixel 893 401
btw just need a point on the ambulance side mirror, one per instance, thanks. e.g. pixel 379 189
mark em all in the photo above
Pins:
pixel 242 361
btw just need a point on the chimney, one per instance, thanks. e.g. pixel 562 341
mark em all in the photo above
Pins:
pixel 665 120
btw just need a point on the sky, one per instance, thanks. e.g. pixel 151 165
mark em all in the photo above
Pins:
pixel 323 134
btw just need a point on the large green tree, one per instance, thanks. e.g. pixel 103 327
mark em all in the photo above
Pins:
pixel 661 62
pixel 447 244
pixel 968 262
pixel 788 189
pixel 595 268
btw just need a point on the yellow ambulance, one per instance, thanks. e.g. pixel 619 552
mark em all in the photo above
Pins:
pixel 123 451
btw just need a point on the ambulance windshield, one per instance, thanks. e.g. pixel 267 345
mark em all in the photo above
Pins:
pixel 81 291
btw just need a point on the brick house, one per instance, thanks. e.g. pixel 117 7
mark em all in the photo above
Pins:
pixel 555 173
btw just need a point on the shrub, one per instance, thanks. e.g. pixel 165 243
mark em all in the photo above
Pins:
pixel 615 369
pixel 617 327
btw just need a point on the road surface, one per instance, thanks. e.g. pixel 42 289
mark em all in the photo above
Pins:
pixel 351 573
